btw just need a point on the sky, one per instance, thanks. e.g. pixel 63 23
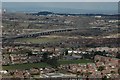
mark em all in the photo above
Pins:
pixel 76 6
pixel 65 7
pixel 60 0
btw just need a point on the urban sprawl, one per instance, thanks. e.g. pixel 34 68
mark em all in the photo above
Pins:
pixel 56 45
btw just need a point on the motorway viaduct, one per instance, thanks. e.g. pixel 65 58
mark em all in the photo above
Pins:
pixel 40 33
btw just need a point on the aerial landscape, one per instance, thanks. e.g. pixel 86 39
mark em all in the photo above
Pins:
pixel 53 40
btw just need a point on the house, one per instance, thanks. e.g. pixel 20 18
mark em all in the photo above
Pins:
pixel 18 58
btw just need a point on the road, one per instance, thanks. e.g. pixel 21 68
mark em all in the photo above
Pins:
pixel 48 32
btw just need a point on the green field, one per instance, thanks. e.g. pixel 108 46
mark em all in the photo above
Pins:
pixel 25 66
pixel 38 65
pixel 74 61
pixel 38 40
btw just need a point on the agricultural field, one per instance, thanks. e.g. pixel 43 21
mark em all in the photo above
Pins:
pixel 38 40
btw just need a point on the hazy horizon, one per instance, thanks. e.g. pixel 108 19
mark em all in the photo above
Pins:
pixel 62 7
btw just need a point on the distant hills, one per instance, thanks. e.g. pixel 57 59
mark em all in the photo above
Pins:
pixel 67 14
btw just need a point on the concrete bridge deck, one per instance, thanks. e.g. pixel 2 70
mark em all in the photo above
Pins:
pixel 48 32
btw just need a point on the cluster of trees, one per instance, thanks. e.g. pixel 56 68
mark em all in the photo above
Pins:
pixel 50 60
pixel 102 53
pixel 94 53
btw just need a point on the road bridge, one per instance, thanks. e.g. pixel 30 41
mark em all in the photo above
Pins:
pixel 36 34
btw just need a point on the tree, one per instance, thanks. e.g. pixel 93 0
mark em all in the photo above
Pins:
pixel 88 74
pixel 105 78
pixel 118 55
pixel 66 52
pixel 49 60
pixel 119 70
pixel 53 62
pixel 113 72
pixel 101 68
pixel 78 73
pixel 45 56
